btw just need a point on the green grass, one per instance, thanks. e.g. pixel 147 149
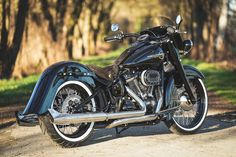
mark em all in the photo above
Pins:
pixel 222 81
pixel 104 59
pixel 217 79
pixel 16 91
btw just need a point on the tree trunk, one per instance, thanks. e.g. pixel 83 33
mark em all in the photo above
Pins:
pixel 54 30
pixel 4 32
pixel 10 54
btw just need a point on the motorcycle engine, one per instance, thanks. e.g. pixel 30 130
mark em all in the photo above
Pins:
pixel 146 85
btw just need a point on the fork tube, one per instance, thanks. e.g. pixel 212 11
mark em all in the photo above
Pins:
pixel 178 66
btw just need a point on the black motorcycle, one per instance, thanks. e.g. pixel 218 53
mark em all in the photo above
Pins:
pixel 146 84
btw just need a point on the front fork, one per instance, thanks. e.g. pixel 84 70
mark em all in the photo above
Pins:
pixel 173 52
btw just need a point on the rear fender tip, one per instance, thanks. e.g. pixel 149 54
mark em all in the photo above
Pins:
pixel 26 120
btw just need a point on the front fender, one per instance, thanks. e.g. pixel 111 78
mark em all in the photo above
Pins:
pixel 190 72
pixel 48 83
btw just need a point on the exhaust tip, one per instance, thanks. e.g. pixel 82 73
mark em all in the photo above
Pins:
pixel 53 114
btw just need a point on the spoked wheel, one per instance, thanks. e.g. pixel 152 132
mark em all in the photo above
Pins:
pixel 67 100
pixel 187 120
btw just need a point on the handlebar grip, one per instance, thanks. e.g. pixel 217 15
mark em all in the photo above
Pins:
pixel 120 37
pixel 109 38
pixel 131 35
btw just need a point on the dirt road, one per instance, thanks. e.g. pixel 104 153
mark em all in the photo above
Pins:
pixel 216 138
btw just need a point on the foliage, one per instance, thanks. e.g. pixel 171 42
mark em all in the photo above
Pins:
pixel 47 31
pixel 209 23
pixel 37 33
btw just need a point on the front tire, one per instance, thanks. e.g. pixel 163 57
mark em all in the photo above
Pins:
pixel 181 123
pixel 67 97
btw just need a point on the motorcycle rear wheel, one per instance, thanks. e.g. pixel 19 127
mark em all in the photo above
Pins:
pixel 75 134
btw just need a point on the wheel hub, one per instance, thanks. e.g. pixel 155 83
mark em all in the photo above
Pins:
pixel 70 102
pixel 185 104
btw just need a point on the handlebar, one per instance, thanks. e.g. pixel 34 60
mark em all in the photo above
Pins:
pixel 120 36
pixel 109 39
pixel 163 38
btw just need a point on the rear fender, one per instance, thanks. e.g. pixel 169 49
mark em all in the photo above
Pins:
pixel 51 79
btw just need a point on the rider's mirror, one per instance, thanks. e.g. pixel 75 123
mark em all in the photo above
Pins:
pixel 178 20
pixel 114 27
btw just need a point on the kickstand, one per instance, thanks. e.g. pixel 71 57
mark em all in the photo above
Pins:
pixel 123 129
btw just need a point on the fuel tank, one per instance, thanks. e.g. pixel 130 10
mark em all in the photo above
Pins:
pixel 146 54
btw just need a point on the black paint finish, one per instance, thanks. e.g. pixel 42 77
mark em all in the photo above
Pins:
pixel 48 83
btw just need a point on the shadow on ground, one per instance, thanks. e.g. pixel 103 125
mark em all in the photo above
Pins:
pixel 21 141
pixel 212 123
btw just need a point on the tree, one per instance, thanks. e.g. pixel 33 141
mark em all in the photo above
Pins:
pixel 8 53
pixel 49 31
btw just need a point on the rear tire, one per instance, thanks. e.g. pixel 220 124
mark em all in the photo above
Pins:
pixel 78 133
pixel 48 129
pixel 177 127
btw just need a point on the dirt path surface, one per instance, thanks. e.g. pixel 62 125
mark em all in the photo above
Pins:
pixel 217 137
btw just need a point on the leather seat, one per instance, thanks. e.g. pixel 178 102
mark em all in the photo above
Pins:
pixel 105 73
pixel 110 72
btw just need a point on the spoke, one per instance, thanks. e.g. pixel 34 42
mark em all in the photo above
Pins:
pixel 60 95
pixel 183 118
pixel 67 129
pixel 64 129
pixel 194 113
pixel 71 130
pixel 189 119
pixel 71 94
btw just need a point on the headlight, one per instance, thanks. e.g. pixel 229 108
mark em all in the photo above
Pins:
pixel 188 45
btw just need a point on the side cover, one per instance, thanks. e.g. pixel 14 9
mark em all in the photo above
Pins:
pixel 47 85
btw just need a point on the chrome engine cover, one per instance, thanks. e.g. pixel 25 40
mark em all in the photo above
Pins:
pixel 150 77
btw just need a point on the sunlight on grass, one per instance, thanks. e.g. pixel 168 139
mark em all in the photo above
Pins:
pixel 104 59
pixel 219 80
pixel 16 91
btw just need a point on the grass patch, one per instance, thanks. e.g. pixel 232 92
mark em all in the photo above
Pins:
pixel 104 59
pixel 16 91
pixel 217 79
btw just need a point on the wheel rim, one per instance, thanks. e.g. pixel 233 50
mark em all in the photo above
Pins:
pixel 192 119
pixel 71 93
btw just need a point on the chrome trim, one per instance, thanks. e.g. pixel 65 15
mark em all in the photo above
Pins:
pixel 142 77
pixel 141 118
pixel 26 120
pixel 190 44
pixel 132 120
pixel 131 79
pixel 160 101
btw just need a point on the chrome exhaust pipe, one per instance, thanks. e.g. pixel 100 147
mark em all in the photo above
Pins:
pixel 132 120
pixel 138 119
pixel 64 118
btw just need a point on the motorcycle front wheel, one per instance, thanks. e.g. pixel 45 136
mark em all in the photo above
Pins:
pixel 69 95
pixel 189 121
